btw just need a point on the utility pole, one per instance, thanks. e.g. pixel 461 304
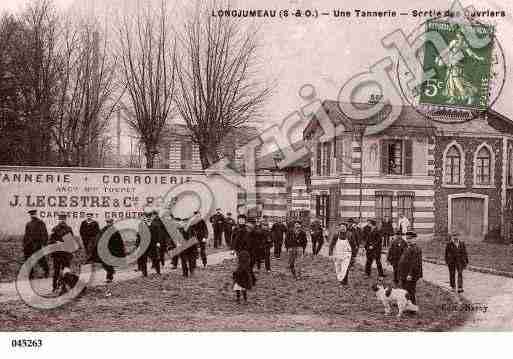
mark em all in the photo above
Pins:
pixel 361 130
pixel 118 125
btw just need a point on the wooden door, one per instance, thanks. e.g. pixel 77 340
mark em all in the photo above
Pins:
pixel 467 217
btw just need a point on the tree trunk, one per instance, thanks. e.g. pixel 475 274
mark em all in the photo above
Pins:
pixel 208 156
pixel 150 158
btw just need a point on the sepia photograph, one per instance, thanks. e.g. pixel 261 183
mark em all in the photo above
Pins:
pixel 276 166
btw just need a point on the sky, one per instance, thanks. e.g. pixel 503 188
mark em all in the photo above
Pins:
pixel 326 52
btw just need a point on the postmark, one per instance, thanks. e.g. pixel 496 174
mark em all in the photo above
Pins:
pixel 463 69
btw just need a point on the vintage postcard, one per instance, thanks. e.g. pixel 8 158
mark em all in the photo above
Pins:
pixel 263 166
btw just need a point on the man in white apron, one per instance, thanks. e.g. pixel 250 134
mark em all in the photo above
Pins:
pixel 340 250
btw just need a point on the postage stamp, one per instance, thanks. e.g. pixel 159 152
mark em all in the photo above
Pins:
pixel 462 71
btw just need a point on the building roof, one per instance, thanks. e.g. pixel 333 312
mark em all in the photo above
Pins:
pixel 409 120
pixel 268 162
pixel 241 135
pixel 337 112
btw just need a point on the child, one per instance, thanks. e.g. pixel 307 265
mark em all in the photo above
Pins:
pixel 243 277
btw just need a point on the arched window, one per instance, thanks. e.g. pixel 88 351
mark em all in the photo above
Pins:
pixel 483 162
pixel 453 166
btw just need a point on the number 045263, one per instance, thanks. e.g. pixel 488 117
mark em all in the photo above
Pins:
pixel 26 343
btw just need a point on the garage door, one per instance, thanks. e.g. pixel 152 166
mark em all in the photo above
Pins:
pixel 467 216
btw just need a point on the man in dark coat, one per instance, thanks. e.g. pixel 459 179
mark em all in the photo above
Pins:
pixel 373 248
pixel 278 231
pixel 294 242
pixel 316 232
pixel 217 221
pixel 200 231
pixel 189 256
pixel 394 254
pixel 262 244
pixel 240 237
pixel 229 223
pixel 456 259
pixel 35 238
pixel 290 224
pixel 145 226
pixel 163 237
pixel 61 260
pixel 353 234
pixel 89 230
pixel 115 245
pixel 387 230
pixel 410 266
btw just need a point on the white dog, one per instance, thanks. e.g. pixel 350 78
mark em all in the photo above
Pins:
pixel 390 295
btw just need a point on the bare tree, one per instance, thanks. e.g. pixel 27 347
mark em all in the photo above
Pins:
pixel 147 54
pixel 87 94
pixel 12 127
pixel 29 74
pixel 219 87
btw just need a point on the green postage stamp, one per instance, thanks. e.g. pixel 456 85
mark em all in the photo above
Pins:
pixel 462 68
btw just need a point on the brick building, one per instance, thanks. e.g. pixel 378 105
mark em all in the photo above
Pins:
pixel 442 175
pixel 272 196
pixel 474 177
pixel 181 153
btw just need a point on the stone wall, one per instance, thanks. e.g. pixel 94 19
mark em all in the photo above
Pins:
pixel 469 146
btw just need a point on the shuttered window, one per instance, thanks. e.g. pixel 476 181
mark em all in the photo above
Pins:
pixel 318 162
pixel 383 206
pixel 322 208
pixel 339 154
pixel 396 157
pixel 510 166
pixel 317 206
pixel 326 161
pixel 186 155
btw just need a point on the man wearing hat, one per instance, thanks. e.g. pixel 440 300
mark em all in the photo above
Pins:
pixel 162 237
pixel 294 241
pixel 229 223
pixel 410 266
pixel 115 245
pixel 262 243
pixel 316 232
pixel 341 251
pixel 35 238
pixel 189 256
pixel 373 248
pixel 456 259
pixel 200 230
pixel 278 231
pixel 89 230
pixel 61 260
pixel 152 250
pixel 353 238
pixel 240 237
pixel 217 221
pixel 394 254
pixel 387 230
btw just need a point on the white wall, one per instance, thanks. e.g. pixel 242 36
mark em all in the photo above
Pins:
pixel 80 190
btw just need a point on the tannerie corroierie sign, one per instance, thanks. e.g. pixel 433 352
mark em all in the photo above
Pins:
pixel 107 193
